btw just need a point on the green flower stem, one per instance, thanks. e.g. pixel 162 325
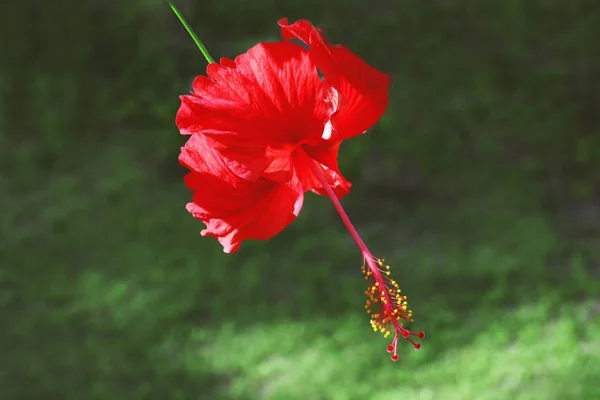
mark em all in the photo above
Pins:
pixel 191 32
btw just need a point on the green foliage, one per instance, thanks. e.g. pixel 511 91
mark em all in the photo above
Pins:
pixel 479 186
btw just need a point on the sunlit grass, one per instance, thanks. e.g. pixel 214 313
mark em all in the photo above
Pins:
pixel 536 351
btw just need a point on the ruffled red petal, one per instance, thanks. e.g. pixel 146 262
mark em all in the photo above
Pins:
pixel 325 155
pixel 257 109
pixel 235 209
pixel 362 89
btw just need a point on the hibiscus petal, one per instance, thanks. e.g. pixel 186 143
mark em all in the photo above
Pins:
pixel 258 108
pixel 235 209
pixel 325 155
pixel 362 89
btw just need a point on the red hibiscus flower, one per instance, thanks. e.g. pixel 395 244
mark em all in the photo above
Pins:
pixel 265 129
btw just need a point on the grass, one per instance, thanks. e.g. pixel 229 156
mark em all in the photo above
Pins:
pixel 147 309
pixel 107 291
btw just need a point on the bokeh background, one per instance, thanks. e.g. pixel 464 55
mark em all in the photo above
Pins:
pixel 480 186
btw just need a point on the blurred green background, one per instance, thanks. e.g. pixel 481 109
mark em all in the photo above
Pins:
pixel 480 186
